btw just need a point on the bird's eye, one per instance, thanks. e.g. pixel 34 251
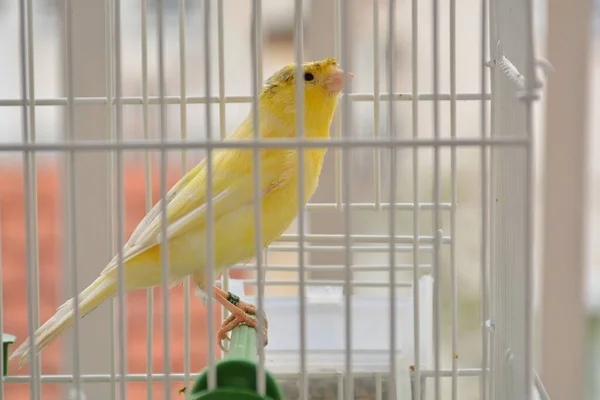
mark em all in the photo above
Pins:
pixel 308 77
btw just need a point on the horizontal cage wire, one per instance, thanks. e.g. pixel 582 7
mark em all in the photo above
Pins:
pixel 407 273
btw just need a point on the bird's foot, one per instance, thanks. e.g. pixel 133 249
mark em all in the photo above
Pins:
pixel 240 314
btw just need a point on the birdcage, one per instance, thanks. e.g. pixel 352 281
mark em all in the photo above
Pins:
pixel 362 293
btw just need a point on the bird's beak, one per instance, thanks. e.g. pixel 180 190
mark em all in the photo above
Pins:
pixel 335 82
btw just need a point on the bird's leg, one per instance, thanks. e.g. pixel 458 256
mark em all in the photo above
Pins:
pixel 239 314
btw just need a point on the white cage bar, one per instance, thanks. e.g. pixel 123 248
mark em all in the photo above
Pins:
pixel 412 348
pixel 514 87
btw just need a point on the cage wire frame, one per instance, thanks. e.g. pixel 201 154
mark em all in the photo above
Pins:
pixel 514 88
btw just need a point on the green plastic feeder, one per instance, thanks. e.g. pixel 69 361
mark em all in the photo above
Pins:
pixel 6 341
pixel 236 373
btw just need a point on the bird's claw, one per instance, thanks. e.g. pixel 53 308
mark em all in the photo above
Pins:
pixel 223 338
pixel 241 314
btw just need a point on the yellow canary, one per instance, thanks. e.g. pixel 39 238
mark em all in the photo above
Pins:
pixel 232 200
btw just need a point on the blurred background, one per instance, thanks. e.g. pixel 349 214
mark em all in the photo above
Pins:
pixel 95 242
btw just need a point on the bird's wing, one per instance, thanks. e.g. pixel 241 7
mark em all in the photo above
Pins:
pixel 187 207
pixel 154 214
pixel 239 193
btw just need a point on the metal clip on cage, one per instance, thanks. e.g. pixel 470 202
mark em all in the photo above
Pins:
pixel 7 340
pixel 236 373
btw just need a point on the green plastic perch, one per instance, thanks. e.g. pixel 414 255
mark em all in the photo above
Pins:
pixel 6 341
pixel 236 373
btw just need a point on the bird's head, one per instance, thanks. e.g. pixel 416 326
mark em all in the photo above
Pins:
pixel 322 82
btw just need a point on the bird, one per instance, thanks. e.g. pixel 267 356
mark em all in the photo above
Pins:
pixel 233 207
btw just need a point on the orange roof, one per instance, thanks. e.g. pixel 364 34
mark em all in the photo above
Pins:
pixel 12 242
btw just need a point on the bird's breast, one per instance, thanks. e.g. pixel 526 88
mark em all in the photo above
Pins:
pixel 235 231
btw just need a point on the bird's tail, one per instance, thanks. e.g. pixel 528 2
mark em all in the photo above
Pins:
pixel 104 287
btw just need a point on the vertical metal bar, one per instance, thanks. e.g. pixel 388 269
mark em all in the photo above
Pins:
pixel 376 105
pixel 337 125
pixel 530 82
pixel 416 208
pixel 436 198
pixel 145 123
pixel 27 179
pixel 505 274
pixel 120 203
pixel 393 187
pixel 108 11
pixel 183 117
pixel 300 117
pixel 346 131
pixel 33 171
pixel 484 210
pixel 514 273
pixel 222 112
pixel 182 89
pixel 496 338
pixel 379 387
pixel 259 44
pixel 255 38
pixel 221 46
pixel 212 372
pixel 148 195
pixel 160 31
pixel 72 244
pixel 509 275
pixel 453 183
